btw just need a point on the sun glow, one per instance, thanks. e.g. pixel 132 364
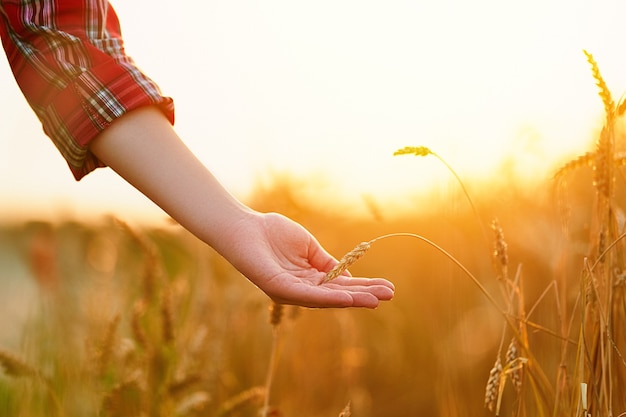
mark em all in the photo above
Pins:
pixel 329 90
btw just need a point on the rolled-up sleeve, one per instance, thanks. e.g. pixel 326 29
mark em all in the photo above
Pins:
pixel 68 59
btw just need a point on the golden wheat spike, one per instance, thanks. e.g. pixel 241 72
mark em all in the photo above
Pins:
pixel 138 311
pixel 276 313
pixel 511 358
pixel 583 160
pixel 603 161
pixel 16 366
pixel 621 107
pixel 346 412
pixel 500 251
pixel 605 93
pixel 620 161
pixel 347 260
pixel 414 150
pixel 194 404
pixel 127 396
pixel 182 384
pixel 251 395
pixel 167 316
pixel 106 345
pixel 493 385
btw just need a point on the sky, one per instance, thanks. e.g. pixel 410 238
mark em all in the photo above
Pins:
pixel 325 91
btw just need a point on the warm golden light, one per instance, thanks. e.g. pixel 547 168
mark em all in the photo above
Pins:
pixel 328 90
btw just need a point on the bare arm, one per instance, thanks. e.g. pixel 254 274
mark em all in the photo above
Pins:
pixel 275 253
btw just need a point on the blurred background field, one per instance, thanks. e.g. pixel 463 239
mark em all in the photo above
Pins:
pixel 131 316
pixel 123 319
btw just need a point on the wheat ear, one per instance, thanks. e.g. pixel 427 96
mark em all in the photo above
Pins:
pixel 500 251
pixel 347 411
pixel 16 366
pixel 347 260
pixel 605 93
pixel 276 315
pixel 492 392
pixel 245 397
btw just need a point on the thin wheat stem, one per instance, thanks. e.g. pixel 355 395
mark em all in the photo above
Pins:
pixel 538 379
pixel 425 151
pixel 276 312
pixel 364 246
pixel 270 373
pixel 475 280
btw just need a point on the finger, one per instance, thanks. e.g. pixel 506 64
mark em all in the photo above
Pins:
pixel 382 292
pixel 364 299
pixel 350 281
pixel 324 297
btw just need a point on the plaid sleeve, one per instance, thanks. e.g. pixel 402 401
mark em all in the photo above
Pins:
pixel 68 58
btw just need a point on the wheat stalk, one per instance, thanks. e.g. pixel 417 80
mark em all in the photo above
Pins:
pixel 276 314
pixel 363 247
pixel 425 151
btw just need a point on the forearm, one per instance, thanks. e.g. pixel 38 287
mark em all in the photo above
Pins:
pixel 281 257
pixel 143 148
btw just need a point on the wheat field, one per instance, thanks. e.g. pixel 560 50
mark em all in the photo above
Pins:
pixel 509 302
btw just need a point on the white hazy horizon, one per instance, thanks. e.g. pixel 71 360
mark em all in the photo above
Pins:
pixel 328 90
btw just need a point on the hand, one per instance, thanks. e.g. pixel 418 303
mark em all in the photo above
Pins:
pixel 275 253
pixel 287 263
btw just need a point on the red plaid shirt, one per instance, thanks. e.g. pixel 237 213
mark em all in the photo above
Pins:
pixel 68 58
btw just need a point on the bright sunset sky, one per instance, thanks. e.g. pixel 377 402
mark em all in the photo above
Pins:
pixel 328 89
